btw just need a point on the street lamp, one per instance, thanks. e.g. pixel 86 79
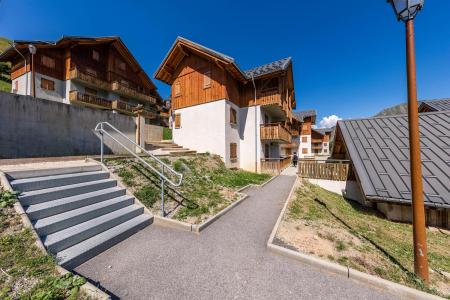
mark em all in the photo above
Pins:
pixel 32 49
pixel 406 10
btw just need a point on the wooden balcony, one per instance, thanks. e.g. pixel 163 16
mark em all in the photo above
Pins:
pixel 329 171
pixel 89 100
pixel 275 132
pixel 269 97
pixel 123 107
pixel 274 165
pixel 88 79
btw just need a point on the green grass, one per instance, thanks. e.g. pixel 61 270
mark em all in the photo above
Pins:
pixel 26 272
pixel 5 86
pixel 167 133
pixel 207 184
pixel 391 241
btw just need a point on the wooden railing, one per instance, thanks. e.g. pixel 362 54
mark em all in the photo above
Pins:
pixel 274 165
pixel 78 75
pixel 123 107
pixel 125 87
pixel 275 132
pixel 269 97
pixel 329 171
pixel 89 100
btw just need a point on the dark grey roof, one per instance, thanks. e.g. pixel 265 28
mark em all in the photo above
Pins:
pixel 300 115
pixel 324 130
pixel 276 66
pixel 437 105
pixel 379 150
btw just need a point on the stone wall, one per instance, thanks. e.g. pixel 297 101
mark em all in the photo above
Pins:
pixel 33 127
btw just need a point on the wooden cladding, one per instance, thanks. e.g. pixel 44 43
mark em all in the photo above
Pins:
pixel 47 84
pixel 233 151
pixel 275 132
pixel 329 171
pixel 207 79
pixel 48 62
pixel 306 128
pixel 177 121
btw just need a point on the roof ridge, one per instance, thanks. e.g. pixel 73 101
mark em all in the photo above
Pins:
pixel 393 116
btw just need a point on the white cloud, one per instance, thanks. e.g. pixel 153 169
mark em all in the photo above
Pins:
pixel 329 121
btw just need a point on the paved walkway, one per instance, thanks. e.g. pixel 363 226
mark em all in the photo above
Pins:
pixel 229 260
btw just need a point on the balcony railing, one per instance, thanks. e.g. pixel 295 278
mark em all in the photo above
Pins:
pixel 127 88
pixel 275 132
pixel 123 107
pixel 331 171
pixel 269 97
pixel 274 165
pixel 89 100
pixel 88 79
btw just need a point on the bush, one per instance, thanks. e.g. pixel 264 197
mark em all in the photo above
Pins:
pixel 167 133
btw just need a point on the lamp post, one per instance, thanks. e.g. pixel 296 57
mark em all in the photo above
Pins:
pixel 32 49
pixel 406 11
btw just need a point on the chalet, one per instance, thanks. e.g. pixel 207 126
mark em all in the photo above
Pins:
pixel 320 141
pixel 434 105
pixel 98 72
pixel 243 116
pixel 306 119
pixel 378 151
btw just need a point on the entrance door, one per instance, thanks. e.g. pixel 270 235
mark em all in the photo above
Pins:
pixel 266 151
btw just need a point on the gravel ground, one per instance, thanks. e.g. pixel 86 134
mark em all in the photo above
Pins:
pixel 229 260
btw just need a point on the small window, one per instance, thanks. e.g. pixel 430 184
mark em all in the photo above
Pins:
pixel 304 150
pixel 48 62
pixel 233 116
pixel 304 139
pixel 90 91
pixel 325 144
pixel 177 89
pixel 233 151
pixel 16 86
pixel 47 84
pixel 177 121
pixel 95 55
pixel 325 150
pixel 121 65
pixel 91 72
pixel 207 79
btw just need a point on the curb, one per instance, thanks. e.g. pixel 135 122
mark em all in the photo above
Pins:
pixel 257 185
pixel 88 288
pixel 396 289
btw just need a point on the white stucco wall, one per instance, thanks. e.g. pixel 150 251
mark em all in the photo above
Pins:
pixel 57 95
pixel 202 128
pixel 232 135
pixel 306 145
pixel 22 84
pixel 249 133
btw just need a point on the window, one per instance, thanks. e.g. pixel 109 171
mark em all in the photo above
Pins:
pixel 233 151
pixel 207 79
pixel 177 121
pixel 233 116
pixel 47 84
pixel 304 150
pixel 325 150
pixel 47 62
pixel 177 89
pixel 95 55
pixel 90 91
pixel 91 72
pixel 325 144
pixel 304 139
pixel 121 65
pixel 16 86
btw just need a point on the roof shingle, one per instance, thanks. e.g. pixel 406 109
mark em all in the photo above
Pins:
pixel 276 66
pixel 301 115
pixel 437 105
pixel 379 150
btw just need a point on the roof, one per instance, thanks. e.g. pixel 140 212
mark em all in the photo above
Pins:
pixel 181 45
pixel 379 150
pixel 435 105
pixel 324 131
pixel 67 40
pixel 301 115
pixel 273 67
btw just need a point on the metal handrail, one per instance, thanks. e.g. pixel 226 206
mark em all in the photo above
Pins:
pixel 101 130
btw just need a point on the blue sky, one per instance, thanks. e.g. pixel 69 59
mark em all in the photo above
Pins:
pixel 349 57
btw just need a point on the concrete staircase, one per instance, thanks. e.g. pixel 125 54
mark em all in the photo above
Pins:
pixel 78 211
pixel 168 148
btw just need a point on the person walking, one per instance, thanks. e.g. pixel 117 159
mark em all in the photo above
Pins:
pixel 295 159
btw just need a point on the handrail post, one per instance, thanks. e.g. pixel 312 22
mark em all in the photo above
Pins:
pixel 162 198
pixel 101 143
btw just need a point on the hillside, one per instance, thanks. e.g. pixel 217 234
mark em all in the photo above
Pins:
pixel 393 110
pixel 5 68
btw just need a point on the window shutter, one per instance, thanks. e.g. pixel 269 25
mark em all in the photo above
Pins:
pixel 304 139
pixel 233 116
pixel 304 150
pixel 47 84
pixel 177 121
pixel 233 151
pixel 177 89
pixel 207 79
pixel 48 62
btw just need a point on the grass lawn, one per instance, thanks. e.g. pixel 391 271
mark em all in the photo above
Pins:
pixel 25 272
pixel 5 86
pixel 208 186
pixel 326 225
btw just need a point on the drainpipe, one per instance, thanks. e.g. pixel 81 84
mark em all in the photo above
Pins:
pixel 256 127
pixel 32 50
pixel 25 65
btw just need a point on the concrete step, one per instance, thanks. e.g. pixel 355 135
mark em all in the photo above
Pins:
pixel 50 208
pixel 70 218
pixel 182 152
pixel 81 252
pixel 53 171
pixel 174 149
pixel 38 183
pixel 68 237
pixel 39 196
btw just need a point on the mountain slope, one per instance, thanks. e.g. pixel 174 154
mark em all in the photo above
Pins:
pixel 5 68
